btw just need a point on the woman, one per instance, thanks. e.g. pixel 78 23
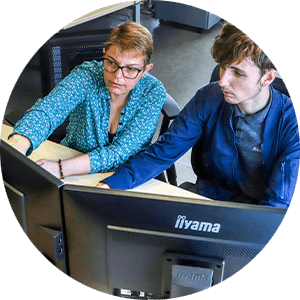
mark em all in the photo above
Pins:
pixel 114 107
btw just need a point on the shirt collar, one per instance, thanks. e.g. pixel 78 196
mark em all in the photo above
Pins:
pixel 258 117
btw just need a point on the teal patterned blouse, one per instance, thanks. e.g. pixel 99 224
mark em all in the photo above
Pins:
pixel 84 96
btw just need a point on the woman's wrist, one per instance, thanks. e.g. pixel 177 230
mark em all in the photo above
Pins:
pixel 79 165
pixel 19 142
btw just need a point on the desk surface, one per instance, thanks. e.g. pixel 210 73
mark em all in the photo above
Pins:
pixel 53 151
pixel 101 12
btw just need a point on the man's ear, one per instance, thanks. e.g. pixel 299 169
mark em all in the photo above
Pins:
pixel 269 77
pixel 103 51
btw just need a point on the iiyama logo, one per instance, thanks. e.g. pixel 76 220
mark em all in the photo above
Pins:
pixel 182 223
pixel 191 276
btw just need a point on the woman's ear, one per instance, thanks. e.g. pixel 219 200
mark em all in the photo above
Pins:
pixel 148 68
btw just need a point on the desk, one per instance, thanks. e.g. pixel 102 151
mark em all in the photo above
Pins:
pixel 108 10
pixel 53 151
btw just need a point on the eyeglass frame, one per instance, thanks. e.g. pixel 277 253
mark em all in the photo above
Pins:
pixel 122 67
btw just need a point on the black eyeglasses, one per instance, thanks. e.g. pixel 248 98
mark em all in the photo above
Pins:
pixel 127 71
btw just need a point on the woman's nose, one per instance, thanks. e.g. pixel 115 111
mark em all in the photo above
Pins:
pixel 118 73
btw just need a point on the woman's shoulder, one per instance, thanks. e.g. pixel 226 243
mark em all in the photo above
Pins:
pixel 149 82
pixel 91 70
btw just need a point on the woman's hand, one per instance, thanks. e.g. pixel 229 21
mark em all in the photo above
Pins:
pixel 50 165
pixel 19 142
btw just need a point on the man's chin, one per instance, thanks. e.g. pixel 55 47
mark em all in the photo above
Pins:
pixel 230 99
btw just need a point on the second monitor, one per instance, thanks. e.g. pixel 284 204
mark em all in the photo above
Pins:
pixel 139 245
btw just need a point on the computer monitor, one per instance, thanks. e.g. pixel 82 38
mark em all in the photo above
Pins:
pixel 139 245
pixel 17 202
pixel 35 197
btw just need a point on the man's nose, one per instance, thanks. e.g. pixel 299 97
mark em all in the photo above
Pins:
pixel 224 77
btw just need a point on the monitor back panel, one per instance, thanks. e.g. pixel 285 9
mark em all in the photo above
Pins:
pixel 41 197
pixel 119 240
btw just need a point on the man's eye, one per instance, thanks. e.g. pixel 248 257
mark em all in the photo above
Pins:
pixel 239 74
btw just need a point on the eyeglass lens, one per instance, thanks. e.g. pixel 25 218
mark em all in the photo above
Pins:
pixel 112 67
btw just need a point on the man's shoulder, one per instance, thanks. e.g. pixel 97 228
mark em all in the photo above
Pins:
pixel 211 91
pixel 282 102
pixel 210 96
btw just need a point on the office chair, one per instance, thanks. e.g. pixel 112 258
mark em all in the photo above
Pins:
pixel 61 54
pixel 196 161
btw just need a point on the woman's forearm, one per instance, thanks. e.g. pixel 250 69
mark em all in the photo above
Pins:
pixel 74 166
pixel 77 165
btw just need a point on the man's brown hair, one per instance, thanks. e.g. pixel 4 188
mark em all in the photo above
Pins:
pixel 232 45
pixel 131 37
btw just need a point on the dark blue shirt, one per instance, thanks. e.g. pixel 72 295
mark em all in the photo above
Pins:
pixel 248 139
pixel 209 117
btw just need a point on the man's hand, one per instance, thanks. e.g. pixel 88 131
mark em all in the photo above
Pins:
pixel 19 142
pixel 103 185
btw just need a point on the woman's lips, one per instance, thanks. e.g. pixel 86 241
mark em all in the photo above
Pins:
pixel 116 85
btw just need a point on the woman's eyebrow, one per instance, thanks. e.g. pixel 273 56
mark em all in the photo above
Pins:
pixel 133 64
pixel 112 58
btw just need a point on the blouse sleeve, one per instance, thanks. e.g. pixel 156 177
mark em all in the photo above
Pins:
pixel 48 113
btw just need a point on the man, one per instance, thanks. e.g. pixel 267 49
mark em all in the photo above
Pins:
pixel 248 132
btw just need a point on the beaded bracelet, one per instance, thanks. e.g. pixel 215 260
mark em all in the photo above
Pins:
pixel 60 169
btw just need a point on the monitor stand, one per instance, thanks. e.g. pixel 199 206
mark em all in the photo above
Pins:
pixel 183 275
pixel 187 274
